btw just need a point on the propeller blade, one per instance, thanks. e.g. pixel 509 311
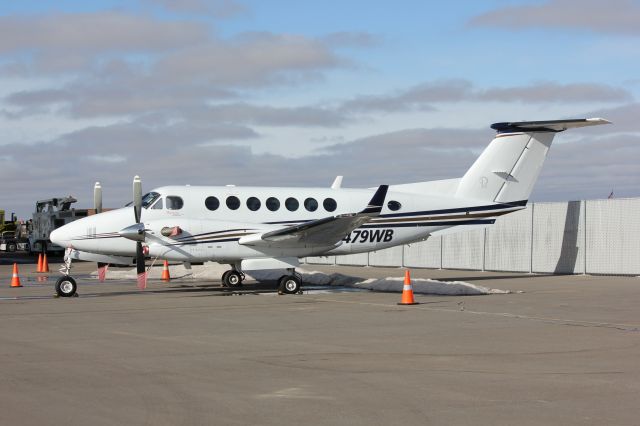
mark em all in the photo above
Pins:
pixel 141 267
pixel 137 197
pixel 97 197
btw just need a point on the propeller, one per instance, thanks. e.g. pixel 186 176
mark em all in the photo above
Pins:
pixel 97 205
pixel 139 229
pixel 97 197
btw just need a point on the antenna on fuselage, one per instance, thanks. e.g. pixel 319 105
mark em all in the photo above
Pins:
pixel 337 183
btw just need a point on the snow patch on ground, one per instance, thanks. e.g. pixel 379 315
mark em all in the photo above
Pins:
pixel 213 271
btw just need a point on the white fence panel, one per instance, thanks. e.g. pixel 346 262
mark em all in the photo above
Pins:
pixel 463 250
pixel 558 238
pixel 508 243
pixel 358 259
pixel 387 257
pixel 425 254
pixel 613 236
pixel 321 260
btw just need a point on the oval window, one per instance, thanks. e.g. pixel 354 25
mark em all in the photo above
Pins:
pixel 329 204
pixel 394 205
pixel 273 204
pixel 174 203
pixel 253 204
pixel 311 204
pixel 212 203
pixel 233 202
pixel 292 204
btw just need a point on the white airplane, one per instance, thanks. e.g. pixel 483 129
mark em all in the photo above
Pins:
pixel 259 228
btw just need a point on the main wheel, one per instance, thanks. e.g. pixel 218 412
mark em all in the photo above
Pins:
pixel 233 279
pixel 11 247
pixel 289 284
pixel 66 286
pixel 224 278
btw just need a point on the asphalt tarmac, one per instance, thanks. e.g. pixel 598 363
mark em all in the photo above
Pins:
pixel 559 350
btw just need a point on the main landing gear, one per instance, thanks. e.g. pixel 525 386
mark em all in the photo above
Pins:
pixel 287 284
pixel 290 284
pixel 65 285
pixel 232 278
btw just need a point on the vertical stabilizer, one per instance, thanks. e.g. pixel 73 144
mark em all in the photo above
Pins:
pixel 509 167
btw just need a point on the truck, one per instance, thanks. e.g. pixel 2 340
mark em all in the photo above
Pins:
pixel 49 215
pixel 11 241
pixel 7 225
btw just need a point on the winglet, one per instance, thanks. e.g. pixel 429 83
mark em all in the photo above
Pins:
pixel 377 201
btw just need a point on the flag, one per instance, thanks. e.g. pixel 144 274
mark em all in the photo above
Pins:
pixel 142 281
pixel 102 272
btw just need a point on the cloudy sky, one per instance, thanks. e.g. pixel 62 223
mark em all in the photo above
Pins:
pixel 294 93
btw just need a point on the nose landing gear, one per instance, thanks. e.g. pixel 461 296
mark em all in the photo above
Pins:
pixel 65 285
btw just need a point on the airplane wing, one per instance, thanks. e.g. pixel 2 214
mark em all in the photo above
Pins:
pixel 327 231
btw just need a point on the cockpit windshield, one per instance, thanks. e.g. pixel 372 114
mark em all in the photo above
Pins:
pixel 149 198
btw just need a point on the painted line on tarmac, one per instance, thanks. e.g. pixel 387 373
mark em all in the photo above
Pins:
pixel 552 320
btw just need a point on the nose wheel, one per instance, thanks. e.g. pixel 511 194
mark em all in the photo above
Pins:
pixel 66 286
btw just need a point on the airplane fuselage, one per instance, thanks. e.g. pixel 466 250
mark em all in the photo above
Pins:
pixel 213 219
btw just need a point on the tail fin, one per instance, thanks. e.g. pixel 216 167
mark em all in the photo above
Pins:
pixel 509 167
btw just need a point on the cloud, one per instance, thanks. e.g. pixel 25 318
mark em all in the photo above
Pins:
pixel 424 96
pixel 216 8
pixel 118 65
pixel 181 154
pixel 612 16
pixel 590 168
pixel 96 32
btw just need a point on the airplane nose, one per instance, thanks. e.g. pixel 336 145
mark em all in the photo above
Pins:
pixel 59 237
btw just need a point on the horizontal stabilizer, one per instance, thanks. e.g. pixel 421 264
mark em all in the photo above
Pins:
pixel 546 126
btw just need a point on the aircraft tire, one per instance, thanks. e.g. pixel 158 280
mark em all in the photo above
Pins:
pixel 289 284
pixel 224 278
pixel 66 286
pixel 233 279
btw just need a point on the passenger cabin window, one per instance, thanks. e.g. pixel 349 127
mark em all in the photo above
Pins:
pixel 394 205
pixel 158 205
pixel 174 202
pixel 329 204
pixel 253 204
pixel 212 203
pixel 273 204
pixel 233 202
pixel 292 204
pixel 311 204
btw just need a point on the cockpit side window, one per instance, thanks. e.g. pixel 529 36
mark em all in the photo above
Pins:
pixel 149 198
pixel 158 205
pixel 174 202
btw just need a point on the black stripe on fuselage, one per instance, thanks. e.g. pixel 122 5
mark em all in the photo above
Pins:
pixel 431 223
pixel 461 209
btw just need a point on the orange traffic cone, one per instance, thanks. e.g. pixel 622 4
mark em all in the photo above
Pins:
pixel 165 272
pixel 39 263
pixel 15 279
pixel 45 263
pixel 407 291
